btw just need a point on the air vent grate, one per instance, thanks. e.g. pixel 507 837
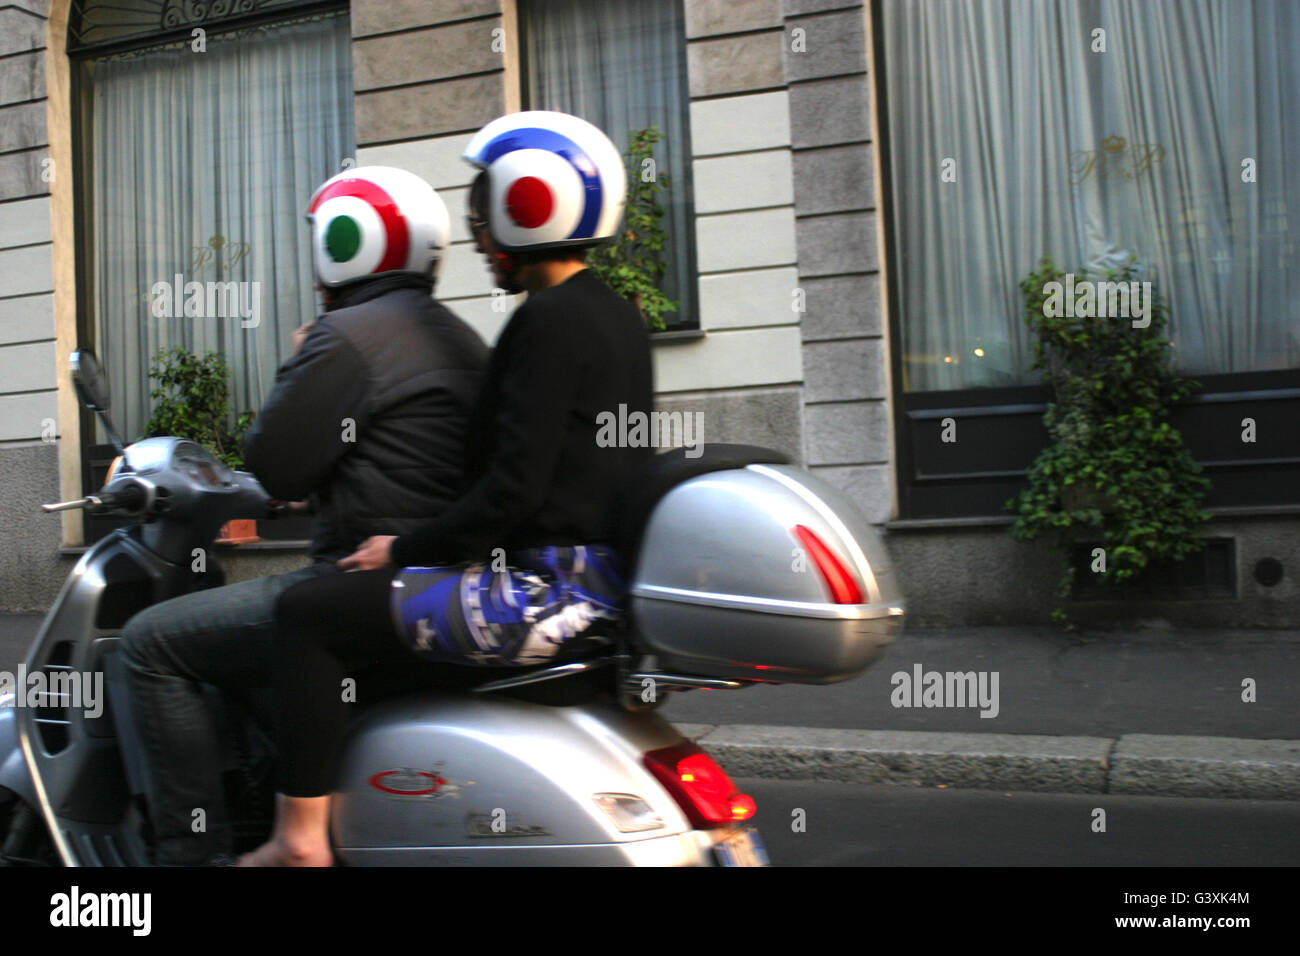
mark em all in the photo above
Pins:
pixel 1208 574
pixel 53 714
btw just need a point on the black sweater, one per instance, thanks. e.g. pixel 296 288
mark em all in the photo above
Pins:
pixel 536 473
pixel 369 417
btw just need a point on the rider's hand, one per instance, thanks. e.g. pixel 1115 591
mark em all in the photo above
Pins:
pixel 374 553
pixel 300 336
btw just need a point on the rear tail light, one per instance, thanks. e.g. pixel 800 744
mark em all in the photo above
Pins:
pixel 702 788
pixel 843 586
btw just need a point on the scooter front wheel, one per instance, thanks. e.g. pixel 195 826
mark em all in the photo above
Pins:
pixel 24 837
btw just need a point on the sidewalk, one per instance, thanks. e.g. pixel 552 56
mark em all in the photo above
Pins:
pixel 1140 712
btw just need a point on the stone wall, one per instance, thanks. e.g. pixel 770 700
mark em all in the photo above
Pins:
pixel 30 570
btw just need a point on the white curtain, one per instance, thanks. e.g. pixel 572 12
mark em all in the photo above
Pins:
pixel 1090 156
pixel 203 163
pixel 620 64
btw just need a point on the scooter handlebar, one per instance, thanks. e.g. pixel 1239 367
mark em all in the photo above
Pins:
pixel 89 501
pixel 129 497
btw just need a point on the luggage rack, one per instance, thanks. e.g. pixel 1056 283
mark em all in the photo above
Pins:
pixel 630 681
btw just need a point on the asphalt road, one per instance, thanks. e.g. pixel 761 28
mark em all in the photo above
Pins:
pixel 853 825
pixel 16 634
pixel 1102 684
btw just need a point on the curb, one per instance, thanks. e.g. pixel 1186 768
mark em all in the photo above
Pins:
pixel 1138 764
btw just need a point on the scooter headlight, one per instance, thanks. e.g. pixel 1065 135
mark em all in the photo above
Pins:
pixel 630 813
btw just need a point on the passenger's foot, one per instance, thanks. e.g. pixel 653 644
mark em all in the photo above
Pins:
pixel 278 853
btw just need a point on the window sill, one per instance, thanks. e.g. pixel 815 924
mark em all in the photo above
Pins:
pixel 906 525
pixel 266 545
pixel 252 546
pixel 676 336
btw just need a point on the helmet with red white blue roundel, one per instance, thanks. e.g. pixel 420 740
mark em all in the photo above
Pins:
pixel 554 180
pixel 373 220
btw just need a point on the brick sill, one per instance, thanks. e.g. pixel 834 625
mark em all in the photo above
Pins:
pixel 942 524
pixel 676 337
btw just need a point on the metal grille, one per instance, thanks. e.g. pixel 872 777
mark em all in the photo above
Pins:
pixel 53 716
pixel 1211 573
pixel 102 27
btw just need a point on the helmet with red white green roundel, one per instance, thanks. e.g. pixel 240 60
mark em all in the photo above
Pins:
pixel 554 180
pixel 374 220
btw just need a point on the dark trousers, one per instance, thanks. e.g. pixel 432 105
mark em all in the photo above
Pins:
pixel 461 625
pixel 329 631
pixel 221 637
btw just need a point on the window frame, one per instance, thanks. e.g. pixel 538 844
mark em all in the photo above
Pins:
pixel 93 456
pixel 688 326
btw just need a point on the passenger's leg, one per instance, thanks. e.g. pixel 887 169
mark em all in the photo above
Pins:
pixel 330 629
pixel 326 631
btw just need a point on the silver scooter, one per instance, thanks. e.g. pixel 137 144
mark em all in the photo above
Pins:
pixel 747 571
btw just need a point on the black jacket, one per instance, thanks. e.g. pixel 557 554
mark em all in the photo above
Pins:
pixel 540 469
pixel 369 418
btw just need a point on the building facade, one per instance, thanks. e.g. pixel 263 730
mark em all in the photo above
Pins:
pixel 855 192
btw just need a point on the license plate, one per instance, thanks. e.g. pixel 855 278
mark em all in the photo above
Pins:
pixel 741 848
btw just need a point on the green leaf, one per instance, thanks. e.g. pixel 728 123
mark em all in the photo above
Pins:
pixel 1109 420
pixel 192 400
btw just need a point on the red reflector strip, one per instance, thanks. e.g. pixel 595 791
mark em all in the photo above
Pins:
pixel 844 588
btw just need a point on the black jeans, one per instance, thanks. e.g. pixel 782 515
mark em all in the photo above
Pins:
pixel 222 637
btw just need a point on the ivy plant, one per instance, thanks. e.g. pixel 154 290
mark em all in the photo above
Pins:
pixel 633 265
pixel 1116 470
pixel 191 396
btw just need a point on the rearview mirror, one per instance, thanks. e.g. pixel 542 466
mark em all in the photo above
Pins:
pixel 92 388
pixel 89 379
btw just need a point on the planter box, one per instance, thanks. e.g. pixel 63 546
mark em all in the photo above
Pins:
pixel 239 531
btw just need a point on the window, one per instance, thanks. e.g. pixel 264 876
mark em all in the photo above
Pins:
pixel 621 64
pixel 1014 130
pixel 200 146
pixel 1013 134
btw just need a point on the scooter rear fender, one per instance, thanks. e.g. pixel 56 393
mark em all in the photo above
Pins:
pixel 458 779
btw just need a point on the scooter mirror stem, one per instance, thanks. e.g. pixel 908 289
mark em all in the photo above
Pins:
pixel 92 389
pixel 113 437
